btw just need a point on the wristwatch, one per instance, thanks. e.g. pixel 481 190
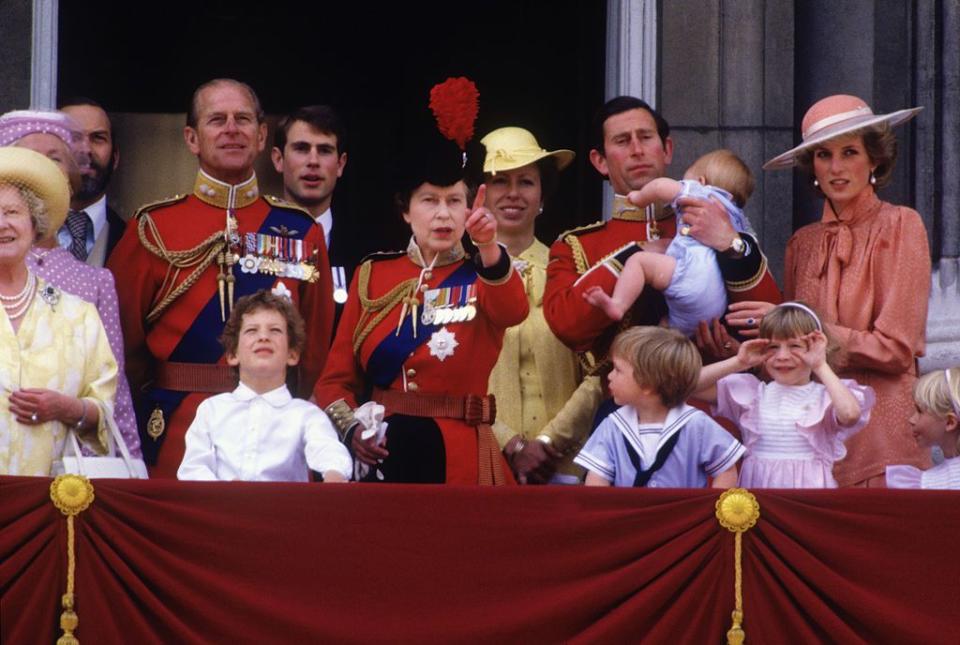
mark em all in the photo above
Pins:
pixel 737 248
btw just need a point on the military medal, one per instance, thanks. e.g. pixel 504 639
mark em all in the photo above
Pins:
pixel 650 215
pixel 450 305
pixel 339 284
pixel 442 343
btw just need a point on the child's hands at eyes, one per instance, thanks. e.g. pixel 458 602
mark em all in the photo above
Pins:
pixel 753 352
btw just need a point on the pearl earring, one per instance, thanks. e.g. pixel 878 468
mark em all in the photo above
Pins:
pixel 540 212
pixel 873 179
pixel 816 183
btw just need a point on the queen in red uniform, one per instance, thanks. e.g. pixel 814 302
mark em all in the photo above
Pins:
pixel 421 332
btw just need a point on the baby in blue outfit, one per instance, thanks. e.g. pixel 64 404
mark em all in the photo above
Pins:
pixel 686 271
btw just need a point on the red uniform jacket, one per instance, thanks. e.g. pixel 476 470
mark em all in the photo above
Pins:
pixel 604 247
pixel 361 356
pixel 189 329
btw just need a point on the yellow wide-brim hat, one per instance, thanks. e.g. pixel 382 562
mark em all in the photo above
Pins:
pixel 509 148
pixel 26 168
pixel 832 117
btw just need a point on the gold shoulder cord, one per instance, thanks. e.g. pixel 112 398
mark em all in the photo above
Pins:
pixel 380 306
pixel 579 255
pixel 201 256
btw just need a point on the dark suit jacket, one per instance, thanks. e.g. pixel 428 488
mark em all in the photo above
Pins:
pixel 347 248
pixel 115 228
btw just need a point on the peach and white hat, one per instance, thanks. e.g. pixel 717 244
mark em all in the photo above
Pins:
pixel 832 117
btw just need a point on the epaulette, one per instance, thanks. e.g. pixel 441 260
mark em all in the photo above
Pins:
pixel 166 201
pixel 382 255
pixel 583 229
pixel 282 203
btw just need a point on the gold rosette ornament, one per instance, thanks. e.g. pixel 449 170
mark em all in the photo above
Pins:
pixel 71 494
pixel 737 511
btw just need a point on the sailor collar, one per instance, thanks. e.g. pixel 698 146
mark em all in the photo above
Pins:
pixel 222 195
pixel 449 256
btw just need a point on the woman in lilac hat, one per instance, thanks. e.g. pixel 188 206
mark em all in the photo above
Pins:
pixel 866 266
pixel 53 134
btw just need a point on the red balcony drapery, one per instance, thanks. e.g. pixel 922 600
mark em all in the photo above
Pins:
pixel 189 562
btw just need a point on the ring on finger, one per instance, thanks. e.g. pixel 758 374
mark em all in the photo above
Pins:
pixel 751 322
pixel 34 417
pixel 727 345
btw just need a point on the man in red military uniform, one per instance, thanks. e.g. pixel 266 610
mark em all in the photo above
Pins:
pixel 182 262
pixel 633 147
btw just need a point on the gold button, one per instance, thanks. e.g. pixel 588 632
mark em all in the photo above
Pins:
pixel 427 275
pixel 411 373
pixel 413 387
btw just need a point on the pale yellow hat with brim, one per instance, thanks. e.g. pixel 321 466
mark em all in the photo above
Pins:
pixel 24 167
pixel 835 116
pixel 509 148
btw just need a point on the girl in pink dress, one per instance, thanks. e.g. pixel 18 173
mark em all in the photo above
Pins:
pixel 794 427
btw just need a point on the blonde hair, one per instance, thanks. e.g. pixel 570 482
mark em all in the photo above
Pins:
pixel 662 359
pixel 723 169
pixel 938 393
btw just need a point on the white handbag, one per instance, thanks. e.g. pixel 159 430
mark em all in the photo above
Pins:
pixel 106 467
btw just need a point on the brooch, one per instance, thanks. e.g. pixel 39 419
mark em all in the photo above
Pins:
pixel 50 295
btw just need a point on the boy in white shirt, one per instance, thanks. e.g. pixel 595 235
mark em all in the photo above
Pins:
pixel 259 432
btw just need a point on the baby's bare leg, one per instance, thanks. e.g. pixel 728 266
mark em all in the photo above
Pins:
pixel 639 270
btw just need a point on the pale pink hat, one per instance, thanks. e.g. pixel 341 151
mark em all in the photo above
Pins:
pixel 832 117
pixel 20 123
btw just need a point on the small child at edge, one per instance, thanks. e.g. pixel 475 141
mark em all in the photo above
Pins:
pixel 655 439
pixel 259 432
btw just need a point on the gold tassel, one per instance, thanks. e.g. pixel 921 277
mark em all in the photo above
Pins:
pixel 71 494
pixel 737 511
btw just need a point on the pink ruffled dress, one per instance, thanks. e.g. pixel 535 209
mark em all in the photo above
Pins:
pixel 945 476
pixel 790 431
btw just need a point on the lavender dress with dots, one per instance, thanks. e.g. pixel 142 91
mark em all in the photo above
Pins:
pixel 94 285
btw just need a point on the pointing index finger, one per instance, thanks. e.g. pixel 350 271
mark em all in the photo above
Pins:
pixel 481 197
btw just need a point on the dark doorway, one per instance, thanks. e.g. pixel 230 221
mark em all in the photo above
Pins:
pixel 538 65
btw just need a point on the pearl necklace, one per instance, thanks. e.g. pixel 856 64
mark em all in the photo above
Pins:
pixel 17 305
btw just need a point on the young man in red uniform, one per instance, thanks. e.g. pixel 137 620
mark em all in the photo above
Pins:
pixel 633 146
pixel 183 262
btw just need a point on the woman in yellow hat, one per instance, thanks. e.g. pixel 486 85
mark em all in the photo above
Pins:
pixel 56 368
pixel 545 407
pixel 866 267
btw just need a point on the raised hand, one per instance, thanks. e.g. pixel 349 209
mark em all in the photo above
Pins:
pixel 815 355
pixel 481 224
pixel 753 352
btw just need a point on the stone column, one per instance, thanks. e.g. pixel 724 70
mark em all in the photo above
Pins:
pixel 631 58
pixel 28 49
pixel 940 150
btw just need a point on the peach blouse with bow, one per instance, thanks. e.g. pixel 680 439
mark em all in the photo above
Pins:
pixel 867 271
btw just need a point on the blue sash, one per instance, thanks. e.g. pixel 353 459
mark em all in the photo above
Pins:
pixel 201 342
pixel 387 359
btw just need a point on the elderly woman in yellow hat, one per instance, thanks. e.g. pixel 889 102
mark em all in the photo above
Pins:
pixel 866 267
pixel 545 407
pixel 56 369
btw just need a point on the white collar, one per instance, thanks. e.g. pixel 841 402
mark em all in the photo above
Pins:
pixel 325 220
pixel 97 212
pixel 277 398
pixel 626 417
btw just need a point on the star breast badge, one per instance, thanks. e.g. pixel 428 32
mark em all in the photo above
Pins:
pixel 442 343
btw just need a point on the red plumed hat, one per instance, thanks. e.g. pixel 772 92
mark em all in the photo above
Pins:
pixel 435 149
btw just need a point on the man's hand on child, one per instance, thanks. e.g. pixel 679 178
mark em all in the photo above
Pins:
pixel 708 222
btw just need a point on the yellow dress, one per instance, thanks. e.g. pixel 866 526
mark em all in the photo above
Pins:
pixel 61 345
pixel 537 380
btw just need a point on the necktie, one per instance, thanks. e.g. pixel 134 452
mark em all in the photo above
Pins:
pixel 78 222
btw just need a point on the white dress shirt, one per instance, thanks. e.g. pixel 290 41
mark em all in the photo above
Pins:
pixel 242 435
pixel 325 220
